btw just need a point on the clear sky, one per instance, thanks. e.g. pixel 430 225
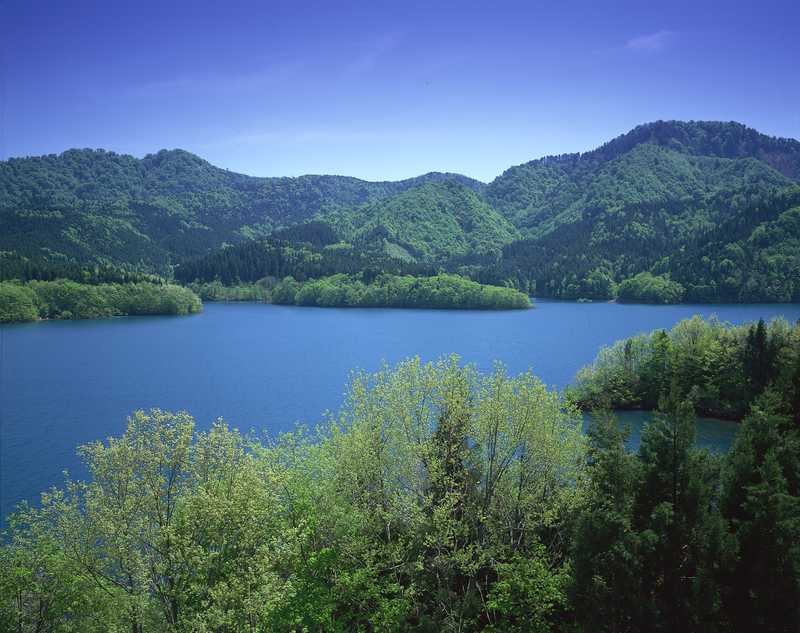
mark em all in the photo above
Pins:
pixel 385 90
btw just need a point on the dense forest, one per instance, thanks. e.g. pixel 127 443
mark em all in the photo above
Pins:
pixel 307 251
pixel 430 223
pixel 64 299
pixel 394 291
pixel 93 206
pixel 671 211
pixel 723 369
pixel 437 499
pixel 732 247
pixel 443 291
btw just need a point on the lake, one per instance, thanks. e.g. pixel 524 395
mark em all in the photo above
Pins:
pixel 64 383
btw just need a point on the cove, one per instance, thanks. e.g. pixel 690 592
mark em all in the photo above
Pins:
pixel 263 367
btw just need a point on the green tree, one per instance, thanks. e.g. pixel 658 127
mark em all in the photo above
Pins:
pixel 682 535
pixel 761 501
pixel 607 592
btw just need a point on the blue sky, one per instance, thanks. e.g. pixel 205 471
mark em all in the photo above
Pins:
pixel 385 90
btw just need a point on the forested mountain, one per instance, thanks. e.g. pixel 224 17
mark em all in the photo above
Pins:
pixel 703 211
pixel 431 222
pixel 730 247
pixel 668 198
pixel 93 205
pixel 656 163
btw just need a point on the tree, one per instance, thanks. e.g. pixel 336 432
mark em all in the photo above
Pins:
pixel 605 550
pixel 681 533
pixel 761 502
pixel 759 358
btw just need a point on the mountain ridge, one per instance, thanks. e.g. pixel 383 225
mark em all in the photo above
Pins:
pixel 623 208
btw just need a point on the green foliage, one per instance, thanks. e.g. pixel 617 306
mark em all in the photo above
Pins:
pixel 658 162
pixel 391 291
pixel 528 594
pixel 17 303
pixel 215 291
pixel 646 288
pixel 65 299
pixel 709 203
pixel 433 222
pixel 437 499
pixel 90 206
pixel 606 591
pixel 714 206
pixel 271 257
pixel 430 502
pixel 761 500
pixel 723 368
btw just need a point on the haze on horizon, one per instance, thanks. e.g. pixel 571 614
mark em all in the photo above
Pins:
pixel 387 91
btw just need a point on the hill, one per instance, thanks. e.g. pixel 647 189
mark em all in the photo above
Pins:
pixel 94 206
pixel 431 222
pixel 658 162
pixel 668 198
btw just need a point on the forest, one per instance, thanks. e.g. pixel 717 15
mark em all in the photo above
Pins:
pixel 64 299
pixel 672 211
pixel 437 498
pixel 393 291
pixel 384 291
pixel 722 369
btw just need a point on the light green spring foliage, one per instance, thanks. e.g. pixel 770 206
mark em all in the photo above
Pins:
pixel 216 291
pixel 388 291
pixel 434 221
pixel 399 291
pixel 65 299
pixel 648 288
pixel 17 303
pixel 435 500
pixel 724 367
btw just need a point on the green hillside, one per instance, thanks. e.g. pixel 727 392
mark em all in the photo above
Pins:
pixel 705 208
pixel 669 198
pixel 431 222
pixel 643 166
pixel 93 206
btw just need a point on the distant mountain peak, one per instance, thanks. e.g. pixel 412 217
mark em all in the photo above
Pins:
pixel 721 139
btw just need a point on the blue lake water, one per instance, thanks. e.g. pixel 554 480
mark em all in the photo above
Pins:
pixel 64 383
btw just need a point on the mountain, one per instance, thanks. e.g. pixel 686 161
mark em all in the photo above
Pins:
pixel 706 209
pixel 92 206
pixel 657 162
pixel 431 222
pixel 652 200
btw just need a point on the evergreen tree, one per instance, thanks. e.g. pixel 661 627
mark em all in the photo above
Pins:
pixel 680 529
pixel 761 501
pixel 606 590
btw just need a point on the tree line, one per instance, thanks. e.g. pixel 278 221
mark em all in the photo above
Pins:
pixel 64 299
pixel 395 291
pixel 735 245
pixel 723 369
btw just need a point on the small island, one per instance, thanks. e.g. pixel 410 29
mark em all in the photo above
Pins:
pixel 384 291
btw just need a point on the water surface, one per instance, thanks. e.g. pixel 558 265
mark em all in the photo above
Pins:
pixel 63 383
